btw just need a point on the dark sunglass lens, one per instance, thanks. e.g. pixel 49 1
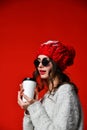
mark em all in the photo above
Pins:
pixel 36 63
pixel 45 61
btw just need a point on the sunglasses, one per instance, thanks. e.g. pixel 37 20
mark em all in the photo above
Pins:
pixel 44 62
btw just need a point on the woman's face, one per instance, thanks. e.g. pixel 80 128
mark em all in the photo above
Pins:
pixel 44 67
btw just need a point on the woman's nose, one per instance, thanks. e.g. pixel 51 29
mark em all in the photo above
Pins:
pixel 40 64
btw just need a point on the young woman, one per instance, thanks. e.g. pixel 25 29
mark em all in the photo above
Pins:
pixel 59 108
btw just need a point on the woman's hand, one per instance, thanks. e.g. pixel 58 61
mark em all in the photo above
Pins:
pixel 22 104
pixel 28 102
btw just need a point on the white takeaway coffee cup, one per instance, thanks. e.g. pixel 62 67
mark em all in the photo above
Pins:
pixel 29 85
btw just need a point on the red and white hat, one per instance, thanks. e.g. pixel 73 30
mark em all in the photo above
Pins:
pixel 62 54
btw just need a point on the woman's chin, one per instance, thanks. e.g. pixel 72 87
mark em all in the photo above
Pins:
pixel 43 76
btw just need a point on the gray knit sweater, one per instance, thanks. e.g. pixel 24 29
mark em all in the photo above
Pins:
pixel 60 111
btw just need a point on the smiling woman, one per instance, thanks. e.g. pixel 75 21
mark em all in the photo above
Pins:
pixel 59 107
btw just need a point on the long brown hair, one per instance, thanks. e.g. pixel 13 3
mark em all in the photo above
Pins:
pixel 56 71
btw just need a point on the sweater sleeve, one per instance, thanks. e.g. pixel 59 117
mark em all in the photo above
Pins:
pixel 64 118
pixel 27 123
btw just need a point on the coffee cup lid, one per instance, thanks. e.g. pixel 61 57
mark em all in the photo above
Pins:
pixel 27 78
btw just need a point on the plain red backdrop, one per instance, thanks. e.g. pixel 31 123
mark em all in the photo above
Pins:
pixel 24 25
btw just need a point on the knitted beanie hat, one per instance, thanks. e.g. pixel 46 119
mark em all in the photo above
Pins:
pixel 62 54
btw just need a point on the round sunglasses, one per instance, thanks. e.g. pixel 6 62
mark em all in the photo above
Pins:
pixel 44 62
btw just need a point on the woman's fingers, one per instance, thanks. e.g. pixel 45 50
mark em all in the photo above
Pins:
pixel 22 104
pixel 21 86
pixel 28 99
pixel 19 95
pixel 19 98
pixel 21 89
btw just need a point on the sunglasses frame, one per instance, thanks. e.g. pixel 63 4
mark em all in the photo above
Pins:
pixel 44 62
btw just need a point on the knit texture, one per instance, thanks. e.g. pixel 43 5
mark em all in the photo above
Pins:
pixel 62 54
pixel 59 111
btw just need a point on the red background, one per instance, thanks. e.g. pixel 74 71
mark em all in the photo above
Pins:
pixel 24 25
